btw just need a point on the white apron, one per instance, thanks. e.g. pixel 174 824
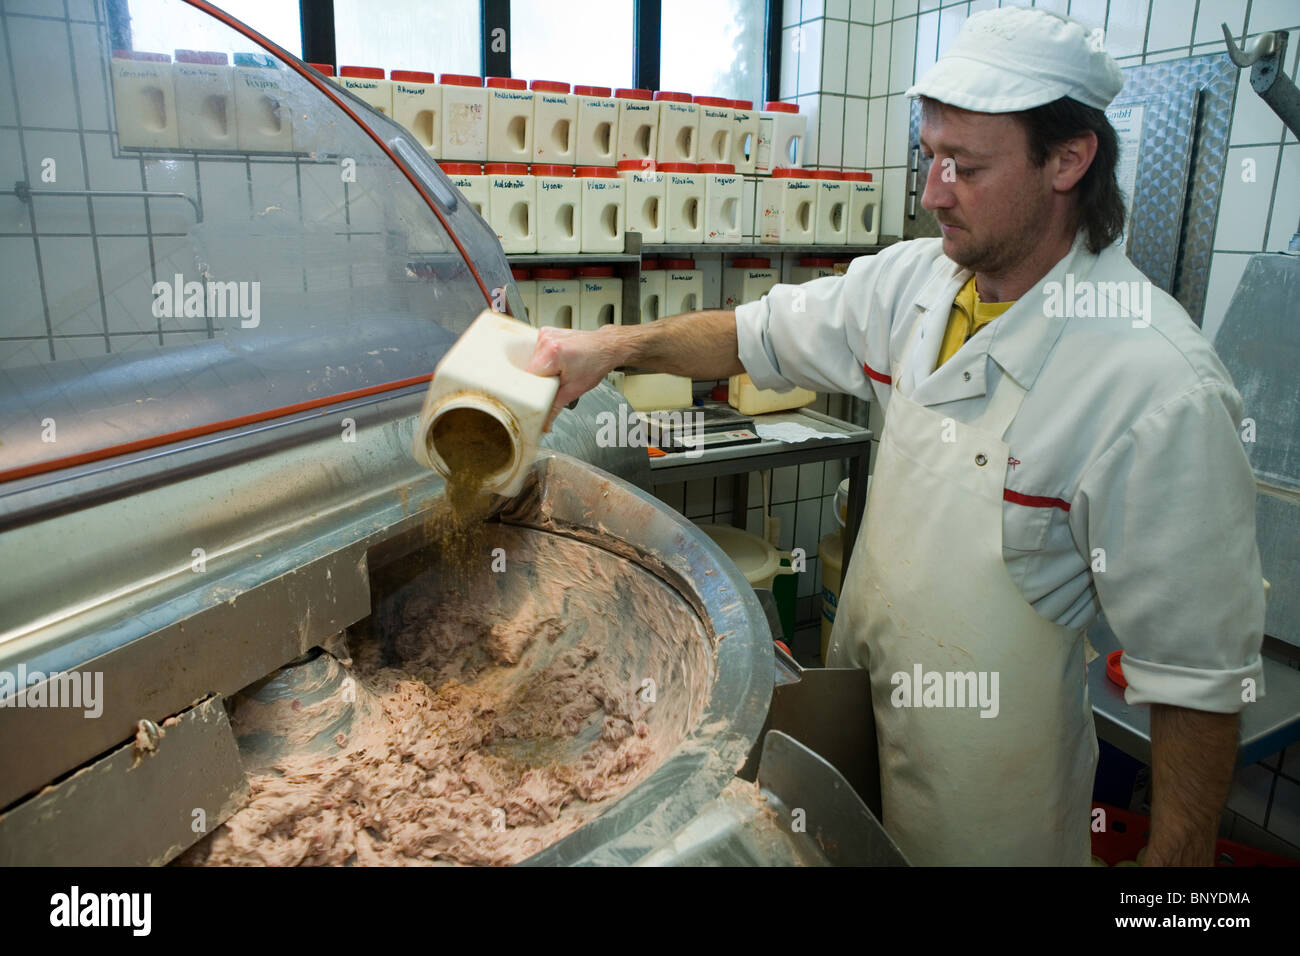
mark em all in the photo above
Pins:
pixel 927 586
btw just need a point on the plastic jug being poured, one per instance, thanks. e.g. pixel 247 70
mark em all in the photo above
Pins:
pixel 483 414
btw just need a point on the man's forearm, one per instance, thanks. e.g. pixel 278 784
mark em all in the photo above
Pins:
pixel 697 345
pixel 1193 754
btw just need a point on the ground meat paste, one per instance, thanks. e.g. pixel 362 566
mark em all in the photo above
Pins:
pixel 492 717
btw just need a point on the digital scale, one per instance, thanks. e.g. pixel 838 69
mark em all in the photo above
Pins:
pixel 711 425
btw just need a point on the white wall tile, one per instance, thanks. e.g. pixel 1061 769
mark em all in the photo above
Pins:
pixel 749 197
pixel 979 6
pixel 1211 13
pixel 950 25
pixel 106 171
pixel 1171 25
pixel 673 493
pixel 785 513
pixel 7 115
pixel 837 9
pixel 928 5
pixel 855 134
pixel 72 350
pixel 1284 818
pixel 807 532
pixel 128 284
pixel 1249 793
pixel 92 78
pixel 830 133
pixel 1225 272
pixel 893 197
pixel 813 10
pixel 896 123
pixel 1252 119
pixel 859 65
pixel 1091 13
pixel 1059 6
pixel 876 115
pixel 82 9
pixel 225 192
pixel 699 498
pixel 1244 206
pixel 810 106
pixel 790 13
pixel 1286 201
pixel 902 56
pixel 903 8
pixel 784 484
pixel 15 215
pixel 835 49
pixel 880 44
pixel 121 216
pixel 862 11
pixel 884 11
pixel 927 41
pixel 1164 55
pixel 24 314
pixel 791 42
pixel 1273 15
pixel 40 49
pixel 37 7
pixel 810 46
pixel 1126 27
pixel 71 286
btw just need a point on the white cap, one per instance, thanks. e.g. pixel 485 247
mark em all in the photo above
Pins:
pixel 1015 58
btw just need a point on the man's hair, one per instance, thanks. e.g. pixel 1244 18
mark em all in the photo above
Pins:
pixel 1100 206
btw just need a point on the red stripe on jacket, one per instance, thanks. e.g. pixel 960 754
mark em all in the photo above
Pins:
pixel 872 373
pixel 1034 501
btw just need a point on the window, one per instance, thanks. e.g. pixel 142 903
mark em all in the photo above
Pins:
pixel 277 20
pixel 439 37
pixel 713 49
pixel 579 41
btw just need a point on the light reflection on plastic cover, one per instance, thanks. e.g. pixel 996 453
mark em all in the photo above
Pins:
pixel 306 271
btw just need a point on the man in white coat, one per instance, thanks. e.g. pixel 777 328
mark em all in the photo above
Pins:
pixel 1059 440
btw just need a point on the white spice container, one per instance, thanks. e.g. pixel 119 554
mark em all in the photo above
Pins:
pixel 679 128
pixel 747 280
pixel 638 124
pixel 653 290
pixel 789 204
pixel 473 185
pixel 367 83
pixel 831 227
pixel 604 214
pixel 464 117
pixel 683 286
pixel 417 105
pixel 555 121
pixel 559 209
pixel 263 120
pixel 683 202
pixel 864 210
pixel 717 127
pixel 744 141
pixel 144 97
pixel 205 100
pixel 512 205
pixel 722 192
pixel 597 126
pixel 645 199
pixel 781 133
pixel 600 297
pixel 510 120
pixel 557 297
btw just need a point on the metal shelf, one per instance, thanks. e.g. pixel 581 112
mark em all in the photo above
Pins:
pixel 571 259
pixel 758 249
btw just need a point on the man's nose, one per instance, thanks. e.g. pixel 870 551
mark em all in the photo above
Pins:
pixel 938 192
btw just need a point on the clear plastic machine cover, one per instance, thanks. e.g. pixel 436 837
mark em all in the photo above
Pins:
pixel 183 289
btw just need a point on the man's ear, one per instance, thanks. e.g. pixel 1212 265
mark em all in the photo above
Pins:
pixel 1072 158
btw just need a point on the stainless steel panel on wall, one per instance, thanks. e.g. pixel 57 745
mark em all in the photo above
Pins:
pixel 1179 175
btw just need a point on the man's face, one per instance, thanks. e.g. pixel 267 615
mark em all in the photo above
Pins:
pixel 992 203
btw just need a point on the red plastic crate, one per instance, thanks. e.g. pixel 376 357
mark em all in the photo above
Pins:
pixel 1126 833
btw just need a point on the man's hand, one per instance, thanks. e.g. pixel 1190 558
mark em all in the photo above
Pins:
pixel 580 359
pixel 1193 755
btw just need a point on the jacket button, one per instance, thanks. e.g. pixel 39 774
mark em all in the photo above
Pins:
pixel 965 376
pixel 981 460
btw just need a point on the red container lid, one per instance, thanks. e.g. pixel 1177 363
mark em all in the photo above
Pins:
pixel 678 168
pixel 552 169
pixel 362 72
pixel 719 394
pixel 519 273
pixel 592 90
pixel 785 173
pixel 461 169
pixel 632 93
pixel 1113 669
pixel 742 104
pixel 460 79
pixel 816 262
pixel 552 272
pixel 675 97
pixel 207 56
pixel 602 172
pixel 677 263
pixel 712 101
pixel 649 265
pixel 717 167
pixel 776 106
pixel 505 83
pixel 550 86
pixel 596 272
pixel 752 263
pixel 412 76
pixel 825 174
pixel 506 169
pixel 325 68
pixel 639 165
pixel 858 177
pixel 141 55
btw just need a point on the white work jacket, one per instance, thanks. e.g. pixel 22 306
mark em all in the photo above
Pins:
pixel 1128 489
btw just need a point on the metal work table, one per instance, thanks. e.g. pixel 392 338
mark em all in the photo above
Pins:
pixel 739 460
pixel 1267 726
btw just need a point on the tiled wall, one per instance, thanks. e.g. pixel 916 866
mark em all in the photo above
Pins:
pixel 847 62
